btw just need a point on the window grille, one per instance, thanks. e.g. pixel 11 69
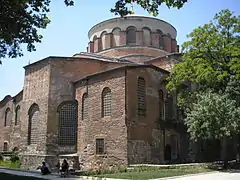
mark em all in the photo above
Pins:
pixel 84 106
pixel 141 94
pixel 106 102
pixel 161 104
pixel 100 146
pixel 67 123
pixel 169 108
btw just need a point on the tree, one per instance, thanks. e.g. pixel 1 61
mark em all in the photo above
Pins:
pixel 122 6
pixel 20 20
pixel 208 79
pixel 213 116
pixel 211 56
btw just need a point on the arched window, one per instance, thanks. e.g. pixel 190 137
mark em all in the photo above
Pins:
pixel 34 133
pixel 116 37
pixel 84 106
pixel 103 40
pixel 161 104
pixel 7 118
pixel 106 102
pixel 161 39
pixel 169 108
pixel 141 95
pixel 147 40
pixel 67 123
pixel 17 115
pixel 131 35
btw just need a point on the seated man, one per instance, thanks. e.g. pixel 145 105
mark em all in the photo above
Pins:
pixel 45 168
pixel 64 168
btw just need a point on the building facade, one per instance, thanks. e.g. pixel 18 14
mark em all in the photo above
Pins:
pixel 105 107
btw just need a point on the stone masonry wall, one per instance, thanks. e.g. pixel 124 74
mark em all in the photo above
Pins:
pixel 36 90
pixel 111 128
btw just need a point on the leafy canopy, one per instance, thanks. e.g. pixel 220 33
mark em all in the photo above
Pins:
pixel 122 7
pixel 212 55
pixel 213 116
pixel 20 20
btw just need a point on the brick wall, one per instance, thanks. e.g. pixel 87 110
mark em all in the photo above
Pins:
pixel 123 51
pixel 111 128
pixel 63 73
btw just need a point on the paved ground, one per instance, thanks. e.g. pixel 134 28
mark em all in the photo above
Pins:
pixel 208 176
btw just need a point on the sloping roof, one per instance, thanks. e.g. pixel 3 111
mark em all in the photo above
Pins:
pixel 80 56
pixel 162 57
pixel 122 68
pixel 8 98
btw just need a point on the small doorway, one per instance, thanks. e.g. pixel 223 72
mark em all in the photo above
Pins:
pixel 5 146
pixel 167 153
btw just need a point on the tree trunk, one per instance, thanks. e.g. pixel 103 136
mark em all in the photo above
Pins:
pixel 224 153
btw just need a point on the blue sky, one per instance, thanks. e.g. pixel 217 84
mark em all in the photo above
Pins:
pixel 67 33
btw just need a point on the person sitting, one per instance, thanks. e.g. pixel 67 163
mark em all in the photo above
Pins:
pixel 64 168
pixel 45 168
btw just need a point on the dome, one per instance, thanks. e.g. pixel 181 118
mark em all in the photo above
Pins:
pixel 132 37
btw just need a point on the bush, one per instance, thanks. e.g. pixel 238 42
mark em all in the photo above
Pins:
pixel 14 158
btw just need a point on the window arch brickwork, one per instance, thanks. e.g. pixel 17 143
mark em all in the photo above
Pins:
pixel 84 106
pixel 106 102
pixel 34 132
pixel 17 115
pixel 116 37
pixel 141 96
pixel 67 123
pixel 131 35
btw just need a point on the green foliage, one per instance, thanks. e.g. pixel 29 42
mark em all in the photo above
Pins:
pixel 9 164
pixel 19 24
pixel 213 116
pixel 122 6
pixel 211 56
pixel 14 157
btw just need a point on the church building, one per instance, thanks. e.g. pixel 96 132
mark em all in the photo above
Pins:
pixel 108 106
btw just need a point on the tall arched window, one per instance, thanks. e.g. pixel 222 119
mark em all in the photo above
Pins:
pixel 67 134
pixel 116 37
pixel 17 115
pixel 161 39
pixel 84 106
pixel 161 104
pixel 147 40
pixel 34 133
pixel 141 95
pixel 106 102
pixel 169 108
pixel 131 35
pixel 7 118
pixel 5 146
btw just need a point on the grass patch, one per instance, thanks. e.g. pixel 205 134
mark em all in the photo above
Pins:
pixel 10 164
pixel 15 177
pixel 145 172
